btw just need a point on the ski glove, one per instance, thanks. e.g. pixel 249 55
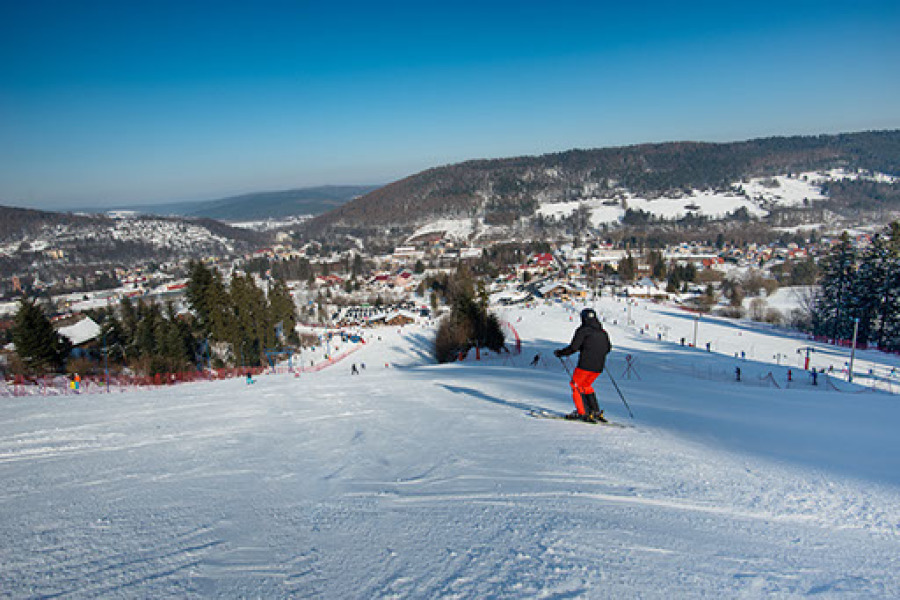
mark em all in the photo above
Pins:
pixel 558 353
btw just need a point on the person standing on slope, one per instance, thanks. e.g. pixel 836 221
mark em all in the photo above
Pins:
pixel 592 344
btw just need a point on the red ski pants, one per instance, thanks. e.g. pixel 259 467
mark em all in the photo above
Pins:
pixel 582 384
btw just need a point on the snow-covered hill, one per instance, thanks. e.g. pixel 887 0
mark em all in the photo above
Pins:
pixel 49 241
pixel 158 233
pixel 758 196
pixel 835 181
pixel 418 480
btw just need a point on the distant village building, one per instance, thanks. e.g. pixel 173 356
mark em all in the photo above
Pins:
pixel 470 253
pixel 563 290
pixel 329 280
pixel 716 262
pixel 406 254
pixel 647 287
pixel 399 318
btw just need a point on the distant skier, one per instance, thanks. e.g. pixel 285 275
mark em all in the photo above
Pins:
pixel 354 370
pixel 592 343
pixel 535 360
pixel 250 380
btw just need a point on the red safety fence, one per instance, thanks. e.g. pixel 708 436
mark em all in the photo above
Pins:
pixel 841 342
pixel 56 385
pixel 60 385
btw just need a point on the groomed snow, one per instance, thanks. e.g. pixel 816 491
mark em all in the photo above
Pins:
pixel 423 481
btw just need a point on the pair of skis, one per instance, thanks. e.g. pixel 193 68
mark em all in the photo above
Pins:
pixel 539 413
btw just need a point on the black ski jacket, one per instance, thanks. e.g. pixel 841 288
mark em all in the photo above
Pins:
pixel 592 343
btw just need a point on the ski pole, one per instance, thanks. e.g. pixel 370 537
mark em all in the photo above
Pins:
pixel 565 366
pixel 622 396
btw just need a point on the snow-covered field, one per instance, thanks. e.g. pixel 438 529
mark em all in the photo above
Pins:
pixel 758 196
pixel 422 481
pixel 707 203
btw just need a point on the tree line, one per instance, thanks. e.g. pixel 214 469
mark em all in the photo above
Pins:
pixel 226 325
pixel 860 289
pixel 241 321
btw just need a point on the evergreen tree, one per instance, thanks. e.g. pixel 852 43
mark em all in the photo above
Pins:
pixel 113 336
pixel 39 346
pixel 198 293
pixel 877 289
pixel 208 298
pixel 357 269
pixel 129 319
pixel 627 268
pixel 252 330
pixel 889 314
pixel 834 307
pixel 148 329
pixel 175 341
pixel 283 309
pixel 469 323
pixel 658 264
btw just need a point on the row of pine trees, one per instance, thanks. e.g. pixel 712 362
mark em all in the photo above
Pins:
pixel 241 320
pixel 861 289
pixel 227 325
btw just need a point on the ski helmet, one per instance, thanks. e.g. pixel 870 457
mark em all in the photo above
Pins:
pixel 588 313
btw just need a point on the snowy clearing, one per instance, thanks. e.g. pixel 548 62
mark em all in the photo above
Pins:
pixel 758 196
pixel 418 480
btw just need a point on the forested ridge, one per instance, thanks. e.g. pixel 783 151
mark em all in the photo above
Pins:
pixel 501 189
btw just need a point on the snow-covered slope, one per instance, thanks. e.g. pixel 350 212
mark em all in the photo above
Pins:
pixel 758 196
pixel 418 480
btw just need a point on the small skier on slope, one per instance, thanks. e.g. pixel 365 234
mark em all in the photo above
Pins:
pixel 592 344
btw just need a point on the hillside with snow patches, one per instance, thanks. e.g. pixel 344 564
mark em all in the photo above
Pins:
pixel 93 237
pixel 758 196
pixel 418 480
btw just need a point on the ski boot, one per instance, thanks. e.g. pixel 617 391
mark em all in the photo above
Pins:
pixel 593 409
pixel 576 416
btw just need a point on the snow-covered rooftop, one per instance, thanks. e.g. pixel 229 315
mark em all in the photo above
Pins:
pixel 83 331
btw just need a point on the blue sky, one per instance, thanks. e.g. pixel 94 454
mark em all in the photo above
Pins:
pixel 116 103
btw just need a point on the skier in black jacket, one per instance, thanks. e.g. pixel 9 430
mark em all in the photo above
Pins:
pixel 592 344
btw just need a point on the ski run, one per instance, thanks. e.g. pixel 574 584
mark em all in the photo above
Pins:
pixel 417 480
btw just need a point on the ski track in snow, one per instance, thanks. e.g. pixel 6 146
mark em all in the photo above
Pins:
pixel 423 481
